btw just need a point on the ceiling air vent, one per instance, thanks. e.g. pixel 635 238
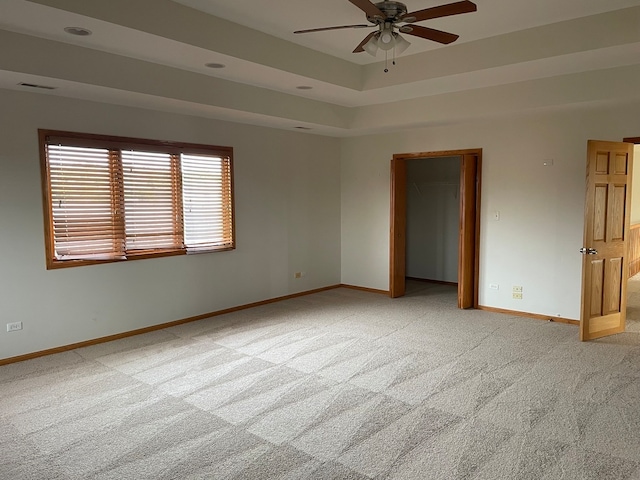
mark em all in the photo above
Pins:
pixel 79 31
pixel 33 85
pixel 303 128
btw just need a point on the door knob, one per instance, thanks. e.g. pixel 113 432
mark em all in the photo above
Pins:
pixel 588 251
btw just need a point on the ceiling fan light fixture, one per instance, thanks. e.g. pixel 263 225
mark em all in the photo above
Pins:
pixel 371 47
pixel 386 39
pixel 401 44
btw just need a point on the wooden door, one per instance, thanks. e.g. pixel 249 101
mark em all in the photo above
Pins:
pixel 607 219
pixel 467 241
pixel 398 227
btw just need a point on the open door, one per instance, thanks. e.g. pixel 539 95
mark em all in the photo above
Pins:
pixel 606 229
pixel 467 245
pixel 398 227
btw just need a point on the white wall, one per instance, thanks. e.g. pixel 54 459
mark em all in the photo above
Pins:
pixel 287 194
pixel 534 244
pixel 433 218
pixel 303 203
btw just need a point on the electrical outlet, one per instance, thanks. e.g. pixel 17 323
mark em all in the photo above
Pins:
pixel 517 288
pixel 517 295
pixel 297 275
pixel 12 327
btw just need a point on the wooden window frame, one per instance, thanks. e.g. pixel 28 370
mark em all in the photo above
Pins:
pixel 116 144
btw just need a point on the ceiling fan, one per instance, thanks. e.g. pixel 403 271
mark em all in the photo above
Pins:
pixel 388 15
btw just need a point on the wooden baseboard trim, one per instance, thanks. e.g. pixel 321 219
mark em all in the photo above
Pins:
pixel 535 316
pixel 139 331
pixel 365 289
pixel 439 282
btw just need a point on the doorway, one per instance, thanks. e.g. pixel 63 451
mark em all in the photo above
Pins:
pixel 433 219
pixel 469 228
pixel 633 282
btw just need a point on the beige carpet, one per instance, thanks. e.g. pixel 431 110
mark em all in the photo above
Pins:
pixel 338 385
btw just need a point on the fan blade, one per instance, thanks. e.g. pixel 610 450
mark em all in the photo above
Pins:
pixel 369 8
pixel 360 47
pixel 441 11
pixel 332 28
pixel 429 33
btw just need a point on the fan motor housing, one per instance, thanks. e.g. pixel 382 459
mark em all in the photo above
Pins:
pixel 392 10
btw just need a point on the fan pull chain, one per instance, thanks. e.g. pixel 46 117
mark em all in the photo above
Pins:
pixel 386 59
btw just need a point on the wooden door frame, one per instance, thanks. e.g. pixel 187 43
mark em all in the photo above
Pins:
pixel 469 241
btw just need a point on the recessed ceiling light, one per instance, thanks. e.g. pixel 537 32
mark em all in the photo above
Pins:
pixel 79 31
pixel 215 65
pixel 304 87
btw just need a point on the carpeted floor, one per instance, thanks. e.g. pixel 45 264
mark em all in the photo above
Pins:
pixel 338 385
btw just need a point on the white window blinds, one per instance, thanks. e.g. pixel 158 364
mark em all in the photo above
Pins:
pixel 206 190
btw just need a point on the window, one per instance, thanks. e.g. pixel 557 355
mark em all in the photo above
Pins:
pixel 111 198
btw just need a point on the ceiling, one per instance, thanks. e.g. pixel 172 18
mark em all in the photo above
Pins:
pixel 494 17
pixel 512 56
